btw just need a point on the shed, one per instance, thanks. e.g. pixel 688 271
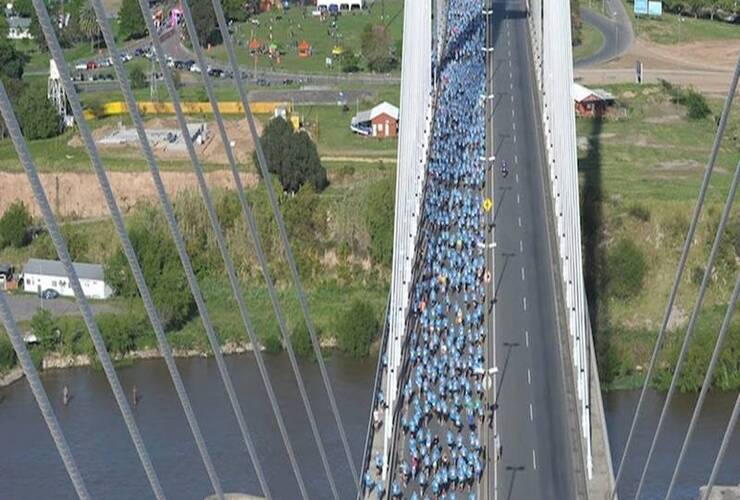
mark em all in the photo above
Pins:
pixel 304 49
pixel 380 121
pixel 590 103
pixel 42 274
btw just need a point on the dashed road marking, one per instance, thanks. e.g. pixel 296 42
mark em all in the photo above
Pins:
pixel 513 124
pixel 531 414
pixel 521 246
pixel 524 302
pixel 526 337
pixel 511 85
pixel 512 98
pixel 514 138
pixel 516 159
pixel 517 199
pixel 522 273
pixel 529 376
pixel 516 176
pixel 519 220
pixel 534 460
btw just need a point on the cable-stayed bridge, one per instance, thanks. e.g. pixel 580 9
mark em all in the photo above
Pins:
pixel 486 383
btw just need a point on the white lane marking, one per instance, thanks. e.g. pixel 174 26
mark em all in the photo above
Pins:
pixel 521 246
pixel 522 273
pixel 516 176
pixel 534 460
pixel 524 301
pixel 526 337
pixel 531 414
pixel 519 221
pixel 512 98
pixel 513 124
pixel 529 378
pixel 516 159
pixel 517 198
pixel 511 85
pixel 515 138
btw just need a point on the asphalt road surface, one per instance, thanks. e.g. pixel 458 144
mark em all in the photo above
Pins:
pixel 24 306
pixel 616 28
pixel 536 462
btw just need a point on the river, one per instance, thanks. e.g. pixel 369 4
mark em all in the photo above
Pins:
pixel 30 467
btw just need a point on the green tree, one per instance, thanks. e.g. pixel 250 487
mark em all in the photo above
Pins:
pixel 305 220
pixel 7 353
pixel 131 21
pixel 3 28
pixel 37 115
pixel 205 22
pixel 350 62
pixel 88 24
pixel 23 8
pixel 77 244
pixel 356 329
pixel 12 61
pixel 275 140
pixel 375 43
pixel 303 165
pixel 138 78
pixel 379 219
pixel 626 265
pixel 45 329
pixel 235 10
pixel 15 225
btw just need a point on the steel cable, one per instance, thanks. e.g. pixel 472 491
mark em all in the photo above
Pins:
pixel 692 322
pixel 707 383
pixel 63 253
pixel 681 266
pixel 182 253
pixel 254 232
pixel 722 448
pixel 267 178
pixel 220 239
pixel 39 393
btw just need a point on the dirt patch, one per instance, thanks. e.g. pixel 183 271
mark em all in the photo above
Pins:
pixel 678 165
pixel 79 195
pixel 210 151
pixel 664 119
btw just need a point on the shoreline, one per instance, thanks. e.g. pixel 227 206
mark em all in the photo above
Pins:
pixel 57 361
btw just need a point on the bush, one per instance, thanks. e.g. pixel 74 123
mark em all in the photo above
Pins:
pixel 379 219
pixel 15 226
pixel 120 331
pixel 302 342
pixel 138 78
pixel 696 104
pixel 272 343
pixel 356 329
pixel 37 116
pixel 130 20
pixel 7 353
pixel 626 268
pixel 350 62
pixel 45 329
pixel 639 212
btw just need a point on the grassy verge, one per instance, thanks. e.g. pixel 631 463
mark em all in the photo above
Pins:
pixel 670 29
pixel 288 28
pixel 591 42
pixel 640 176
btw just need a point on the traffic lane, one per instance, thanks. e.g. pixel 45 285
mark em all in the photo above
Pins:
pixel 24 306
pixel 554 434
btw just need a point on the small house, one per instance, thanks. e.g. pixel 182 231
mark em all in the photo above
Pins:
pixel 591 103
pixel 381 121
pixel 18 28
pixel 40 275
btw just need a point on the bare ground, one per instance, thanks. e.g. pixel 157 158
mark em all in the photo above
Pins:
pixel 79 195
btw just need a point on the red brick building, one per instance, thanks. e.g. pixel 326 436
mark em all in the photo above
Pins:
pixel 590 103
pixel 381 121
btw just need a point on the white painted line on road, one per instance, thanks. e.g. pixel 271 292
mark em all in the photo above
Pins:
pixel 520 221
pixel 517 198
pixel 522 273
pixel 531 414
pixel 511 85
pixel 513 124
pixel 534 460
pixel 512 98
pixel 514 138
pixel 529 377
pixel 526 337
pixel 516 159
pixel 521 246
pixel 524 302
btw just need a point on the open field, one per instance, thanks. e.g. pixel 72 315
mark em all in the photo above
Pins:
pixel 288 28
pixel 639 180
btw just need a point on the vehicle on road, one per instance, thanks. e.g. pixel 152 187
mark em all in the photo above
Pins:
pixel 217 72
pixel 195 68
pixel 49 294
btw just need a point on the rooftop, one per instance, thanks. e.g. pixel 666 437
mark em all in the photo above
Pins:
pixel 55 268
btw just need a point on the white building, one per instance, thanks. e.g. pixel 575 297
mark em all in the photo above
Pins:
pixel 339 5
pixel 18 28
pixel 40 275
pixel 381 121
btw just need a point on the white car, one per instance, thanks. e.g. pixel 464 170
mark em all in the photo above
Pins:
pixel 195 68
pixel 81 66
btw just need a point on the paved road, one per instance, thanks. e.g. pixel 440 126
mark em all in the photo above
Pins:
pixel 537 461
pixel 24 306
pixel 617 31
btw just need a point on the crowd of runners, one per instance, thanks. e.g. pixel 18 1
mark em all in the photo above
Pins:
pixel 441 451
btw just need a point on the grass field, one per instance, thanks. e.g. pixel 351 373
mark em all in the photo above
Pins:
pixel 640 176
pixel 592 40
pixel 290 27
pixel 671 29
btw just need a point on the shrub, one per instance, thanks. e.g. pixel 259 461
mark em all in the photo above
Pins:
pixel 7 353
pixel 696 104
pixel 379 219
pixel 271 342
pixel 356 329
pixel 639 212
pixel 15 226
pixel 626 268
pixel 45 329
pixel 302 342
pixel 37 115
pixel 138 78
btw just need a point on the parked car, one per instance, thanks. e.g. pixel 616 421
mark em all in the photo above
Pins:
pixel 91 65
pixel 195 68
pixel 50 294
pixel 179 64
pixel 217 72
pixel 81 66
pixel 187 64
pixel 126 57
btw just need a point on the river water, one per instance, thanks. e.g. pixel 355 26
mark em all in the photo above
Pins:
pixel 30 467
